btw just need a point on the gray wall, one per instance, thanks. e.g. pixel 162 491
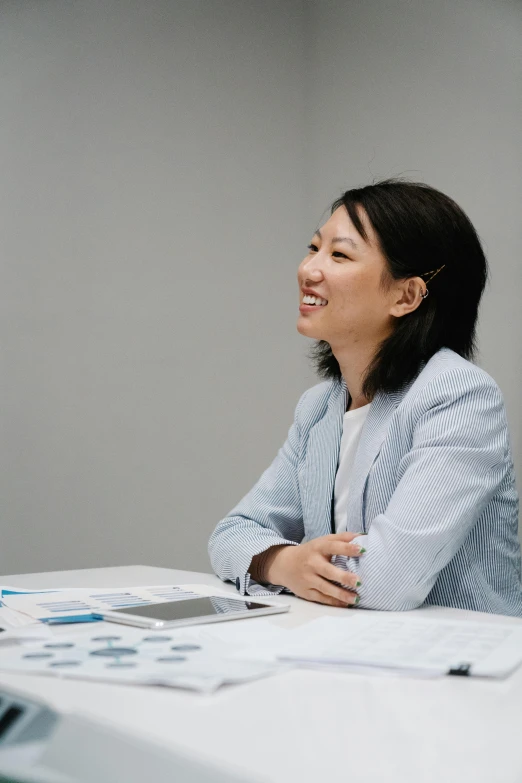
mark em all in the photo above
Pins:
pixel 163 166
pixel 432 90
pixel 151 202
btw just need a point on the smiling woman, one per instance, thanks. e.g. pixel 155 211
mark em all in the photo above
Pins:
pixel 386 242
pixel 395 486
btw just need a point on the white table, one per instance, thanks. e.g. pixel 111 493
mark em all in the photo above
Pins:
pixel 309 726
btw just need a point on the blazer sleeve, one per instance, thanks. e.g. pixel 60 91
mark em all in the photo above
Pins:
pixel 459 457
pixel 270 514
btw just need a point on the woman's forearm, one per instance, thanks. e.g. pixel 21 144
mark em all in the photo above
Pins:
pixel 261 566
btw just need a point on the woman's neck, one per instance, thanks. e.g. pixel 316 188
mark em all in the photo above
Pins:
pixel 353 363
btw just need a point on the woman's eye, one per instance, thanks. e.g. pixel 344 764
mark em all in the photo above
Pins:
pixel 313 249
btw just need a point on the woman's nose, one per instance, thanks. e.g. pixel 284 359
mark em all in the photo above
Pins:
pixel 311 267
pixel 313 274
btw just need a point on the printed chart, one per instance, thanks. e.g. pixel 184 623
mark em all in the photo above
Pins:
pixel 77 604
pixel 193 660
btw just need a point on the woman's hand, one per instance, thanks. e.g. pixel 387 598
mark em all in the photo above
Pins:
pixel 307 571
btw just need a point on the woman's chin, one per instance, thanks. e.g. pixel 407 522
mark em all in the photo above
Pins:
pixel 307 329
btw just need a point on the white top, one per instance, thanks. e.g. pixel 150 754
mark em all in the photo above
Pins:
pixel 353 422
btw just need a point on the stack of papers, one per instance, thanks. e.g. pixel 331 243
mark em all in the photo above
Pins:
pixel 80 604
pixel 405 644
pixel 199 659
pixel 177 658
pixel 206 656
pixel 16 628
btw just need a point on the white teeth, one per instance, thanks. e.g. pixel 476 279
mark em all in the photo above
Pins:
pixel 315 300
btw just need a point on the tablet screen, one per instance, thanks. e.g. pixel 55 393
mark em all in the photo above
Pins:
pixel 192 607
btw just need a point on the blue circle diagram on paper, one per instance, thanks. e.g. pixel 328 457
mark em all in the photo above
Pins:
pixel 157 639
pixel 38 655
pixel 114 652
pixel 105 638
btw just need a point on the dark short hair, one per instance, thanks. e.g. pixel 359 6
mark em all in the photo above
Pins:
pixel 419 229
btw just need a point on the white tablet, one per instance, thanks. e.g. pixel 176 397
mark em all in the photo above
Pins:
pixel 191 611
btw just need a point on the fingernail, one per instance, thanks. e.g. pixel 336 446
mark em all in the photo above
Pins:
pixel 358 583
pixel 362 550
pixel 357 600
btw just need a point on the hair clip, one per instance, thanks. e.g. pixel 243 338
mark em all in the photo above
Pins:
pixel 435 272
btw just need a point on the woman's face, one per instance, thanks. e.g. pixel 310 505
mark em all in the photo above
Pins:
pixel 345 270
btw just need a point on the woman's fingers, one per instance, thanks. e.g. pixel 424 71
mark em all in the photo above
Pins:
pixel 334 591
pixel 329 548
pixel 325 598
pixel 322 598
pixel 307 569
pixel 348 578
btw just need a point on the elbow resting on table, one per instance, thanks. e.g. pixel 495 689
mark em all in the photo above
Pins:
pixel 392 596
pixel 386 588
pixel 394 601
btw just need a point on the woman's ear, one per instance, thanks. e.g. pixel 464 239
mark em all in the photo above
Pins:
pixel 407 296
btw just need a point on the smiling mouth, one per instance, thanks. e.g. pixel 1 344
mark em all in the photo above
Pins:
pixel 314 301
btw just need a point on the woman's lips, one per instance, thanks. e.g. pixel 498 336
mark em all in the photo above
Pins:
pixel 306 308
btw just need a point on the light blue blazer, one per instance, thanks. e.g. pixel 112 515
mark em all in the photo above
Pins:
pixel 432 487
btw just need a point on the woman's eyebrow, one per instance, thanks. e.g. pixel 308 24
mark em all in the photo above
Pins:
pixel 339 239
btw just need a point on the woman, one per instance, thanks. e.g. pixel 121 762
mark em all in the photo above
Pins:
pixel 395 486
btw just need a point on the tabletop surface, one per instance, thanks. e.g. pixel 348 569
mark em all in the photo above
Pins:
pixel 308 725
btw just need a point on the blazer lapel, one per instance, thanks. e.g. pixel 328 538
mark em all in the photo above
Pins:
pixel 322 458
pixel 322 454
pixel 374 431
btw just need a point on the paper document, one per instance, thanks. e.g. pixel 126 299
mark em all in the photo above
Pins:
pixel 10 619
pixel 80 603
pixel 407 643
pixel 27 634
pixel 180 658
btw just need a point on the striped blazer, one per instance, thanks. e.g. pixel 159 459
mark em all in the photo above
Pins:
pixel 432 487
